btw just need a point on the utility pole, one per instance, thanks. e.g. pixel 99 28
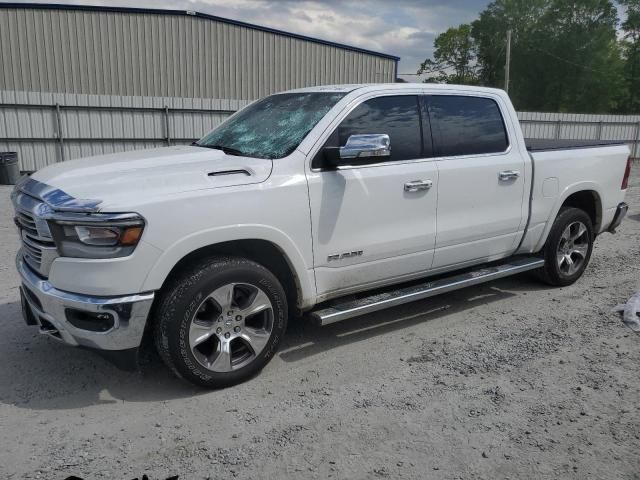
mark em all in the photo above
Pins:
pixel 507 67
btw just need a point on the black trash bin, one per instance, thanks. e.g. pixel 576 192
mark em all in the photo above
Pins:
pixel 9 170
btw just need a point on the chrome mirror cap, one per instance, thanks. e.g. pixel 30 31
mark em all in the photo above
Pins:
pixel 370 145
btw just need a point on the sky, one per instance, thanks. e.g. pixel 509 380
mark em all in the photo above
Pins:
pixel 404 28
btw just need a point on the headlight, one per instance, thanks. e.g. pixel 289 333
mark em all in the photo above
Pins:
pixel 98 236
pixel 103 237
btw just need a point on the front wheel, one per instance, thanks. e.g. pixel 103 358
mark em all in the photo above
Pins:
pixel 221 322
pixel 568 248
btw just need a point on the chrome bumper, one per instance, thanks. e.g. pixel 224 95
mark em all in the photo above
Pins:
pixel 49 308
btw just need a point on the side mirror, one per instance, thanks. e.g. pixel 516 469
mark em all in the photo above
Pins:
pixel 359 147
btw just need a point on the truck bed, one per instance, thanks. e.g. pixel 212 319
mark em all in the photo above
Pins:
pixel 543 145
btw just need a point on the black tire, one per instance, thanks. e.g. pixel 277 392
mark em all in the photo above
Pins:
pixel 553 273
pixel 184 298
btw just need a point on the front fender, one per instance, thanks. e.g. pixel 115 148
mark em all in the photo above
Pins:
pixel 206 238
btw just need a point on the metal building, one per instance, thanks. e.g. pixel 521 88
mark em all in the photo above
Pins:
pixel 80 80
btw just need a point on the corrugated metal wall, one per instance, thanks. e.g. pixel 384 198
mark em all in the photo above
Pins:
pixel 148 54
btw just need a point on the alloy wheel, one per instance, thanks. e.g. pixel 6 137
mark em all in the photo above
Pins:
pixel 231 327
pixel 573 248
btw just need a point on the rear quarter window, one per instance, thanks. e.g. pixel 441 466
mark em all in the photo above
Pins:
pixel 466 126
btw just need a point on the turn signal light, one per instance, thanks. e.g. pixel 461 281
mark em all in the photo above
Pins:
pixel 130 236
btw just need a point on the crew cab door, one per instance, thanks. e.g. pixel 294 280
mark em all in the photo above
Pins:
pixel 374 220
pixel 481 187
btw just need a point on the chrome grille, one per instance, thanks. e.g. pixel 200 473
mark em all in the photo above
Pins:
pixel 27 223
pixel 38 249
pixel 31 248
pixel 38 253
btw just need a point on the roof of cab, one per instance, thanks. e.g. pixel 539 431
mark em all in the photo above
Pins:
pixel 347 88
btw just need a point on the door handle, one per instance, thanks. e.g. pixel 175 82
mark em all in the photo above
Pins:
pixel 418 185
pixel 508 175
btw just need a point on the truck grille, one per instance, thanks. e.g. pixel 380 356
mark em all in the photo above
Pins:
pixel 27 223
pixel 38 249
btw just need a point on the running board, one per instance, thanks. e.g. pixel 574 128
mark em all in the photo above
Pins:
pixel 337 312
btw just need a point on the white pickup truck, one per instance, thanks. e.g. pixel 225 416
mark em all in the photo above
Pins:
pixel 326 203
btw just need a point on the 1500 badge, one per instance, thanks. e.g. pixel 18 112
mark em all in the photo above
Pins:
pixel 342 256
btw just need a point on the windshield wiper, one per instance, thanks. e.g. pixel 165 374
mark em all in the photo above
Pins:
pixel 227 150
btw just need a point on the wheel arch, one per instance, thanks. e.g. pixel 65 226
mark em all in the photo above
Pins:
pixel 263 252
pixel 279 255
pixel 589 201
pixel 586 197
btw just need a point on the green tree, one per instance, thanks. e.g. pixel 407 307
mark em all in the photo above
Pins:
pixel 582 55
pixel 565 56
pixel 454 57
pixel 631 52
pixel 490 32
pixel 565 53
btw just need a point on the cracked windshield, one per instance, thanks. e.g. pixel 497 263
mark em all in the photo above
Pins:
pixel 272 127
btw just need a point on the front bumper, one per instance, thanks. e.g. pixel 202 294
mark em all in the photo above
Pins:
pixel 621 212
pixel 49 308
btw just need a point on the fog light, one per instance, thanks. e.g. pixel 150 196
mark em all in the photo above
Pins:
pixel 92 321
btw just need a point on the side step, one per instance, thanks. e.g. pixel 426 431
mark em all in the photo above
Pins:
pixel 336 311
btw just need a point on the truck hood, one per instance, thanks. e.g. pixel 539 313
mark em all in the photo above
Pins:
pixel 127 178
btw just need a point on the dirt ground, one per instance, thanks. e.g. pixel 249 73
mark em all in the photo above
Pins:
pixel 508 380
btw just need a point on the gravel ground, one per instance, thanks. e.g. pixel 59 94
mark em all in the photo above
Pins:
pixel 508 380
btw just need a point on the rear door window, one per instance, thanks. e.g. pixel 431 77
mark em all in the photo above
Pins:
pixel 466 126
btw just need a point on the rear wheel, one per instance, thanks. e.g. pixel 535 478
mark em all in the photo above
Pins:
pixel 568 248
pixel 221 322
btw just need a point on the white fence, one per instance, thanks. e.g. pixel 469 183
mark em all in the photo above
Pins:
pixel 46 128
pixel 625 128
